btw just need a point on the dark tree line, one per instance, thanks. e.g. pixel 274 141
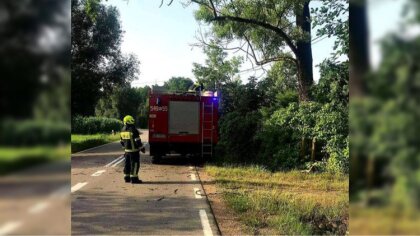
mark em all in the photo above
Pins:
pixel 98 65
pixel 32 64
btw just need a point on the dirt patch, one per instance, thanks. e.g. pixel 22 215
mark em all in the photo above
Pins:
pixel 228 222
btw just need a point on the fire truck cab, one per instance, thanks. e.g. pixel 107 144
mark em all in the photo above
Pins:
pixel 182 122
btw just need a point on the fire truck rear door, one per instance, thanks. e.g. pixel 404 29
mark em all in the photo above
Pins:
pixel 184 117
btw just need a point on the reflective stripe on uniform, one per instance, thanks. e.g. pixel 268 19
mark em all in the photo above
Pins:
pixel 132 144
pixel 134 169
pixel 131 150
pixel 126 135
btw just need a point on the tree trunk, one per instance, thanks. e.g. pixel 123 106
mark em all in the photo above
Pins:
pixel 304 52
pixel 313 150
pixel 303 148
pixel 370 172
pixel 359 46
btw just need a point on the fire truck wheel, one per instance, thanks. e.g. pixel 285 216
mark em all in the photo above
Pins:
pixel 198 160
pixel 156 159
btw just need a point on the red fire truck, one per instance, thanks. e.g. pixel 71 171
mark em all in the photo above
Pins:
pixel 182 122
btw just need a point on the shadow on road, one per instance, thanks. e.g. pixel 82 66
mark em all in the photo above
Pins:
pixel 107 213
pixel 175 160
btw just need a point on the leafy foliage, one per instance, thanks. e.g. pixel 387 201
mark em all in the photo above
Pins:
pixel 274 125
pixel 26 133
pixel 98 65
pixel 217 69
pixel 180 84
pixel 279 142
pixel 275 13
pixel 384 124
pixel 333 87
pixel 287 126
pixel 94 125
pixel 331 19
pixel 237 134
pixel 264 30
pixel 241 98
pixel 53 102
pixel 125 101
pixel 31 63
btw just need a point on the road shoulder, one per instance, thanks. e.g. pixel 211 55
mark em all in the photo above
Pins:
pixel 227 221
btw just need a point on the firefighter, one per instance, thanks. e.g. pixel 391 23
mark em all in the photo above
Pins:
pixel 196 87
pixel 130 140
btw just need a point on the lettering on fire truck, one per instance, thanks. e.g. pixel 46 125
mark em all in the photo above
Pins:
pixel 158 108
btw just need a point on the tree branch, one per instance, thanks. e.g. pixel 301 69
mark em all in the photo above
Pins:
pixel 214 9
pixel 161 3
pixel 265 25
pixel 261 24
pixel 267 60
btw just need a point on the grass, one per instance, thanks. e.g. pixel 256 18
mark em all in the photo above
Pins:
pixel 15 158
pixel 383 220
pixel 285 202
pixel 81 142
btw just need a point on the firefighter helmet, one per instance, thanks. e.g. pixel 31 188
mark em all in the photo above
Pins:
pixel 128 120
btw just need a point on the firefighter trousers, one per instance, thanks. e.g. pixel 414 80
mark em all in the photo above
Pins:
pixel 132 164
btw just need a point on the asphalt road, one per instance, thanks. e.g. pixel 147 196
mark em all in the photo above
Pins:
pixel 36 201
pixel 170 200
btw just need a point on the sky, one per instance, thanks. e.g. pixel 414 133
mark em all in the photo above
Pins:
pixel 162 38
pixel 383 16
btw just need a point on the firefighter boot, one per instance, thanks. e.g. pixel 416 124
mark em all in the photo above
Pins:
pixel 127 179
pixel 136 180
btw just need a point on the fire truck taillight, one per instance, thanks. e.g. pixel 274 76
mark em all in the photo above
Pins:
pixel 158 135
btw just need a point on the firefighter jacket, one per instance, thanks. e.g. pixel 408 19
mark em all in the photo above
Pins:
pixel 130 139
pixel 196 87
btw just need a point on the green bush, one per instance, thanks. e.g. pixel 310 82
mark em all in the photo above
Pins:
pixel 237 137
pixel 33 132
pixel 94 125
pixel 126 101
pixel 280 139
pixel 18 158
pixel 279 145
pixel 286 126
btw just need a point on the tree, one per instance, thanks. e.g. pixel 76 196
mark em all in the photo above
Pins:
pixel 332 19
pixel 53 102
pixel 98 65
pixel 240 121
pixel 178 84
pixel 384 120
pixel 333 86
pixel 125 101
pixel 359 46
pixel 217 69
pixel 30 62
pixel 279 86
pixel 264 29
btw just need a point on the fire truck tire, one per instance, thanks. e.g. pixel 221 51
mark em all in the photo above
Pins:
pixel 156 159
pixel 197 159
